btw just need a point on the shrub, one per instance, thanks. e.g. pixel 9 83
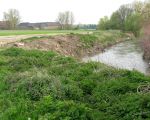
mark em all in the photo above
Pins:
pixel 34 85
pixel 68 110
pixel 88 40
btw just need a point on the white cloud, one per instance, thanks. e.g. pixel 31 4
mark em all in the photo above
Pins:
pixel 85 11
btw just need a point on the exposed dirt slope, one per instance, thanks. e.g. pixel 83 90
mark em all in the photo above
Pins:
pixel 69 45
pixel 146 29
pixel 146 42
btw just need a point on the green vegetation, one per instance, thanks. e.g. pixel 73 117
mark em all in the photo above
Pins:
pixel 129 17
pixel 34 38
pixel 29 32
pixel 102 38
pixel 46 86
pixel 134 24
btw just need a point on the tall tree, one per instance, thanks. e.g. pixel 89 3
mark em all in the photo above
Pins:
pixel 115 21
pixel 134 24
pixel 66 19
pixel 143 8
pixel 124 12
pixel 104 23
pixel 12 18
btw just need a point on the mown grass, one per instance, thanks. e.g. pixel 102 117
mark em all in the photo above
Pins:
pixel 29 32
pixel 47 86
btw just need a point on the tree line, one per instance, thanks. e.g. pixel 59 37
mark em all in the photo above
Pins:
pixel 12 19
pixel 129 17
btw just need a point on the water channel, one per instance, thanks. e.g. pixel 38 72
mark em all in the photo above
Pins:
pixel 125 55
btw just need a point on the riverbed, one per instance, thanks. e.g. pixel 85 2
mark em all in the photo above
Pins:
pixel 126 55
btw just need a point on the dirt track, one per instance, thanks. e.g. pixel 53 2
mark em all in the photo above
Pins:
pixel 10 39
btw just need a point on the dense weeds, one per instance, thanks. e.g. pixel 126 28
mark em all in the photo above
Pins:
pixel 47 86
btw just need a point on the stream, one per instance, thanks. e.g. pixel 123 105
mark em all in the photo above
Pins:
pixel 125 55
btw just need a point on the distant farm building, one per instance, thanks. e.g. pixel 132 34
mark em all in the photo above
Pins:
pixel 41 25
pixel 3 25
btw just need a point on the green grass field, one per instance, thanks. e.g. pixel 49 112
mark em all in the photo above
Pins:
pixel 29 32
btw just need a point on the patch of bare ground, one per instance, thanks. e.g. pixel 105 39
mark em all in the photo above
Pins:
pixel 146 41
pixel 146 47
pixel 69 45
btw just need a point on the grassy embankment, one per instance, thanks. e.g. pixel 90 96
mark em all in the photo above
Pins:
pixel 48 86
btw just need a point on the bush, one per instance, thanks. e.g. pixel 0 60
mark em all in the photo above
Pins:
pixel 66 110
pixel 133 24
pixel 35 85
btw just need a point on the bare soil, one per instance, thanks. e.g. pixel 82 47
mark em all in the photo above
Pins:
pixel 146 47
pixel 146 29
pixel 69 45
pixel 146 41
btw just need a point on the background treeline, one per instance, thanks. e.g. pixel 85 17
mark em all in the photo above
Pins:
pixel 87 26
pixel 129 17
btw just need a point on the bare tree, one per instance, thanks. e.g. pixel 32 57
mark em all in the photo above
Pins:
pixel 125 11
pixel 12 18
pixel 71 18
pixel 66 19
pixel 61 19
pixel 143 8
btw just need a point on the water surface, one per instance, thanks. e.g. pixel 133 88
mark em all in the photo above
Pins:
pixel 125 55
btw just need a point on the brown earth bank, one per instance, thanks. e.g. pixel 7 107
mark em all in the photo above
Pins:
pixel 146 42
pixel 146 47
pixel 68 45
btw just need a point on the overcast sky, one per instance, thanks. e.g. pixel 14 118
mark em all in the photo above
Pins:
pixel 85 11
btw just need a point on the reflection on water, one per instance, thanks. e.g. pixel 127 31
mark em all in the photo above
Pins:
pixel 126 55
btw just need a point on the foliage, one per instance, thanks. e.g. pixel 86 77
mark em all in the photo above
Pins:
pixel 143 9
pixel 88 39
pixel 134 23
pixel 101 38
pixel 115 21
pixel 104 23
pixel 44 85
pixel 87 26
pixel 126 18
